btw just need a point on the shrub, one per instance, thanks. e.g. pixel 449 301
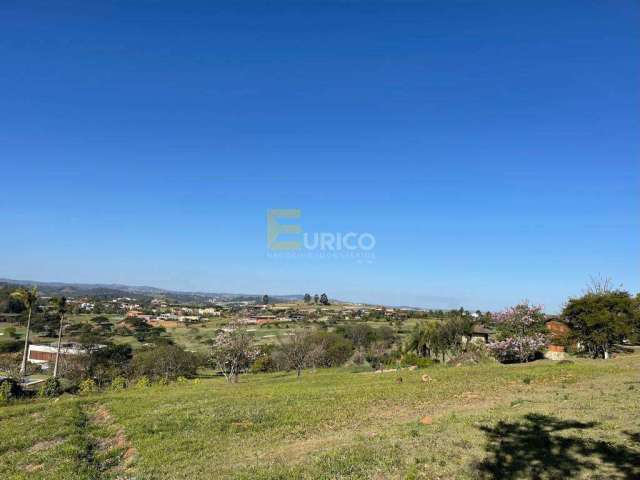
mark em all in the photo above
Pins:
pixel 10 364
pixel 166 362
pixel 73 369
pixel 10 332
pixel 298 352
pixel 379 357
pixel 5 391
pixel 264 363
pixel 279 360
pixel 426 362
pixel 87 386
pixel 361 334
pixel 111 361
pixel 143 382
pixel 50 388
pixel 411 359
pixel 476 353
pixel 314 349
pixel 358 358
pixel 517 349
pixel 9 389
pixel 118 383
pixel 333 349
pixel 10 346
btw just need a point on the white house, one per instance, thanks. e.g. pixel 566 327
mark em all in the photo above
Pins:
pixel 42 354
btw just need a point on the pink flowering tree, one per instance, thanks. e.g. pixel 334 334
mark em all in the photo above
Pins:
pixel 233 351
pixel 520 333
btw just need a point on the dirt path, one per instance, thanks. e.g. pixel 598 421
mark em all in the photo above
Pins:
pixel 113 454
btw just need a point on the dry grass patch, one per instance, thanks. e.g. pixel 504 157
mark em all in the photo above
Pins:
pixel 45 445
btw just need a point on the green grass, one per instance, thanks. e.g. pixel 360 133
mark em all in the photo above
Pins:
pixel 578 420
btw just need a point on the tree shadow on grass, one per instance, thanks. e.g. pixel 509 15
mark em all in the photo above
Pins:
pixel 534 448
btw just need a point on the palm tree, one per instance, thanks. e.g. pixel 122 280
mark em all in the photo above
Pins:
pixel 29 299
pixel 60 304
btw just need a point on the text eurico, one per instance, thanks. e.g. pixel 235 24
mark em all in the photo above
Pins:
pixel 296 239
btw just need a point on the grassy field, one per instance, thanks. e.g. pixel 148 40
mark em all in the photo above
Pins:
pixel 541 420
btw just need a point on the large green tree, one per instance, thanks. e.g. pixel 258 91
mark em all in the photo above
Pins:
pixel 600 319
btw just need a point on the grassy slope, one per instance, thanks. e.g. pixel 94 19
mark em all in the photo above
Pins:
pixel 337 424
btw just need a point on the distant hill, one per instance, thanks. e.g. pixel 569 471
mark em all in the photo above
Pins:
pixel 73 287
pixel 119 290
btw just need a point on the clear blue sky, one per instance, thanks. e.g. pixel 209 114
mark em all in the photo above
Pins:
pixel 492 148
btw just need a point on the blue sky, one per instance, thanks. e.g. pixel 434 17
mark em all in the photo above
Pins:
pixel 491 148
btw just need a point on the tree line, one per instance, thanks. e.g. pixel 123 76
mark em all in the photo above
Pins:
pixel 599 321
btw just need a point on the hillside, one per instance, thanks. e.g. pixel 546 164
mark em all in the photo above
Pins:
pixel 538 420
pixel 119 290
